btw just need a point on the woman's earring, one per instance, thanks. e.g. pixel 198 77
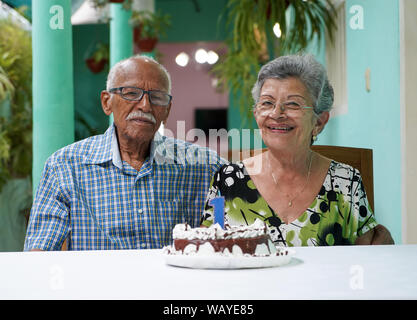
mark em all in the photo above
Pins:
pixel 314 137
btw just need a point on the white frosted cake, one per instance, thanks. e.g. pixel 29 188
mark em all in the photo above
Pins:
pixel 252 241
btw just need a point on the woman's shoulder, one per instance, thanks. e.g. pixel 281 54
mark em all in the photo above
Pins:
pixel 231 167
pixel 342 169
pixel 343 175
pixel 231 174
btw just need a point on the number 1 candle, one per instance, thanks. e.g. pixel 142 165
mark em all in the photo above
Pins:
pixel 218 205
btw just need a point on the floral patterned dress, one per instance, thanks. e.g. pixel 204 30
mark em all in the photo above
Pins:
pixel 338 215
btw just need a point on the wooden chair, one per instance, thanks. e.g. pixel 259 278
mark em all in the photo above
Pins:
pixel 358 158
pixel 65 245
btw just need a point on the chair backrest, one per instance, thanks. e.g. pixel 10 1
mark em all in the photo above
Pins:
pixel 65 245
pixel 358 158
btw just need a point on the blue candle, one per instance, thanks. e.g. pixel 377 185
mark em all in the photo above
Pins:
pixel 218 205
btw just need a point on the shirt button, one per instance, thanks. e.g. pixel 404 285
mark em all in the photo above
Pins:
pixel 143 245
pixel 140 211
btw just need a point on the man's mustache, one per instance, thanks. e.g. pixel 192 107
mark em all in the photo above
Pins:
pixel 141 114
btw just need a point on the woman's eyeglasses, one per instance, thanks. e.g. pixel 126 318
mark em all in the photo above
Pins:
pixel 291 106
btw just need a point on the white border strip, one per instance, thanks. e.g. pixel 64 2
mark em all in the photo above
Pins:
pixel 403 136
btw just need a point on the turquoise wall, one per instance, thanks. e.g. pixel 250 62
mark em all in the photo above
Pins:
pixel 373 118
pixel 193 20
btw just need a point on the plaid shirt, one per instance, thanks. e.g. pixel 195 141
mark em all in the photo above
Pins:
pixel 90 196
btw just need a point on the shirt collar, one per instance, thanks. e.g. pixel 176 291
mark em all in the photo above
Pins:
pixel 115 153
pixel 107 149
pixel 100 149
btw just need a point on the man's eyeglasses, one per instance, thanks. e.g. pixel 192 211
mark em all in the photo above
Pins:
pixel 290 106
pixel 157 98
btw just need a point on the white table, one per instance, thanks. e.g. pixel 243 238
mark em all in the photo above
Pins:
pixel 356 272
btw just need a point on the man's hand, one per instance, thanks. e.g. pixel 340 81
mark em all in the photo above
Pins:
pixel 377 235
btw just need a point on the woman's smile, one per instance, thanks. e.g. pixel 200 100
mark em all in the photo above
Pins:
pixel 280 128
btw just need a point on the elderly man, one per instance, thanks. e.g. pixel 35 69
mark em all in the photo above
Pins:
pixel 127 188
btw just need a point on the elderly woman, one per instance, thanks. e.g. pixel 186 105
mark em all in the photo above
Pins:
pixel 305 198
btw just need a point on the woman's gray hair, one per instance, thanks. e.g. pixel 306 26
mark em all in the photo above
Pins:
pixel 113 71
pixel 308 70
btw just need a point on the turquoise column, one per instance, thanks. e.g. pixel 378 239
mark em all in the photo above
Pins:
pixel 121 36
pixel 53 89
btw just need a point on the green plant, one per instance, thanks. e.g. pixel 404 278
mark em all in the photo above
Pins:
pixel 98 57
pixel 101 52
pixel 6 86
pixel 251 42
pixel 151 25
pixel 98 4
pixel 16 105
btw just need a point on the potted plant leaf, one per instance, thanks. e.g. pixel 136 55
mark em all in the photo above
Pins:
pixel 6 86
pixel 148 27
pixel 99 58
pixel 100 4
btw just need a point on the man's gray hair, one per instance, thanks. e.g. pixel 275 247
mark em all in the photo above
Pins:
pixel 113 71
pixel 308 70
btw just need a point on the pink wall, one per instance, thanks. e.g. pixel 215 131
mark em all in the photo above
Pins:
pixel 191 85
